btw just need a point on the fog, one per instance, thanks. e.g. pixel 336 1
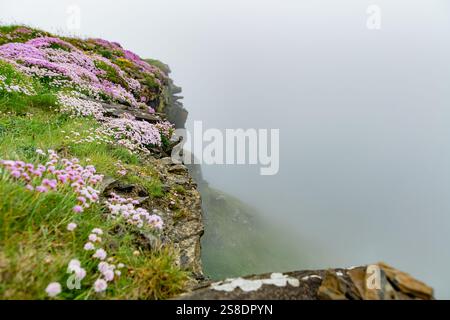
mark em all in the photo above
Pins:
pixel 363 114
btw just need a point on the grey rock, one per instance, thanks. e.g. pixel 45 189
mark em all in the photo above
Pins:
pixel 332 284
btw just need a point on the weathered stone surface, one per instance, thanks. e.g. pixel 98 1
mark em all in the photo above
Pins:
pixel 261 288
pixel 183 221
pixel 333 284
pixel 178 168
pixel 117 110
pixel 405 283
pixel 183 225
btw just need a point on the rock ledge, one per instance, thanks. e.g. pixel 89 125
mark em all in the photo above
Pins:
pixel 372 282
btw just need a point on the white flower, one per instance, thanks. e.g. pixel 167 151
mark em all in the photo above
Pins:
pixel 100 254
pixel 120 265
pixel 71 226
pixel 103 266
pixel 53 289
pixel 73 265
pixel 118 273
pixel 109 275
pixel 100 285
pixel 93 237
pixel 80 273
pixel 97 231
pixel 89 246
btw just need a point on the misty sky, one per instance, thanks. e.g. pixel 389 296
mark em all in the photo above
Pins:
pixel 363 114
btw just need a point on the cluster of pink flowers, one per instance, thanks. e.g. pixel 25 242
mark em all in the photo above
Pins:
pixel 107 44
pixel 91 135
pixel 93 239
pixel 12 85
pixel 22 30
pixel 53 289
pixel 130 56
pixel 128 132
pixel 79 107
pixel 75 268
pixel 132 84
pixel 57 173
pixel 65 65
pixel 124 208
pixel 165 128
pixel 121 170
pixel 108 271
pixel 133 134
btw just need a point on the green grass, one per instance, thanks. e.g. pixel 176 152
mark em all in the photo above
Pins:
pixel 8 33
pixel 111 74
pixel 35 246
pixel 252 248
pixel 43 98
pixel 162 66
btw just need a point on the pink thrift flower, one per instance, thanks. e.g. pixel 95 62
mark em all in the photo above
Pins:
pixel 97 231
pixel 71 226
pixel 80 273
pixel 16 174
pixel 100 254
pixel 89 246
pixel 82 200
pixel 103 266
pixel 53 289
pixel 29 187
pixel 109 275
pixel 41 189
pixel 37 173
pixel 73 264
pixel 78 209
pixel 100 285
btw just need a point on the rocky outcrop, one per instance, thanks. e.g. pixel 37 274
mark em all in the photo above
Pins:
pixel 180 208
pixel 375 282
pixel 185 228
pixel 173 107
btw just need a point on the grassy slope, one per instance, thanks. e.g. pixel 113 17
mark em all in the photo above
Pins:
pixel 35 246
pixel 236 242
